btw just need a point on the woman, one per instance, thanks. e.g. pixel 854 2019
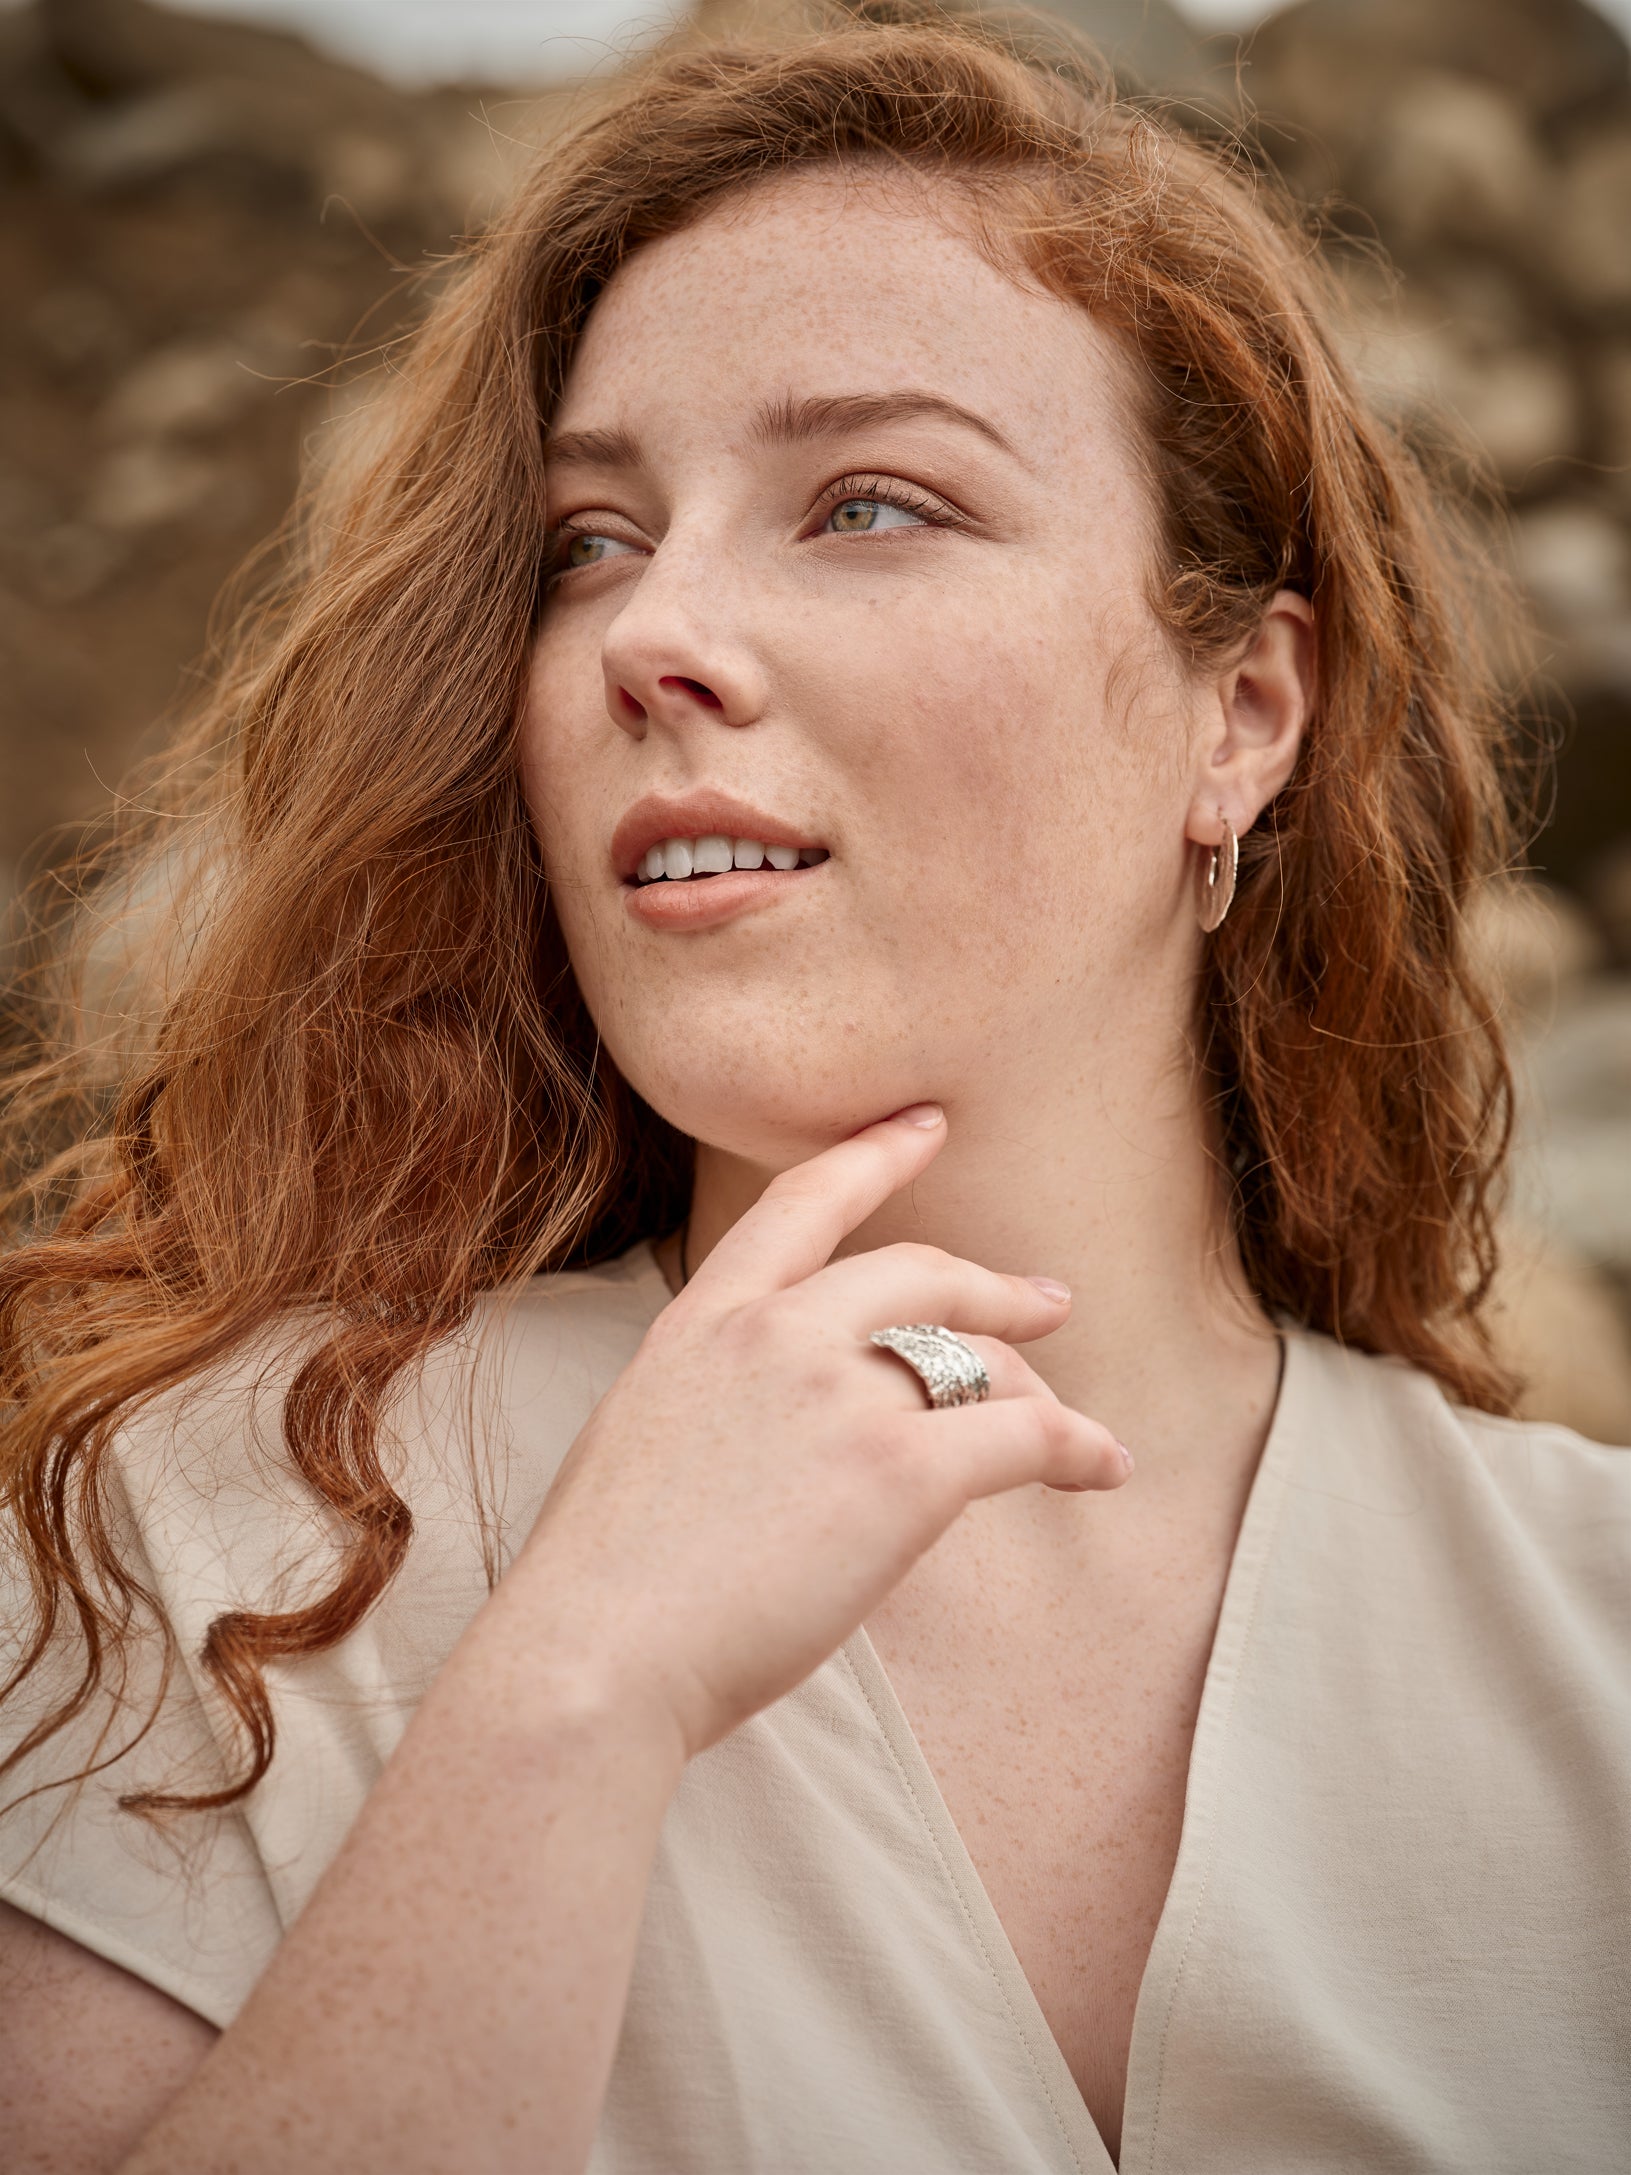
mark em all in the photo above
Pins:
pixel 879 641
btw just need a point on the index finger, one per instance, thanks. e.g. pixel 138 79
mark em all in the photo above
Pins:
pixel 791 1230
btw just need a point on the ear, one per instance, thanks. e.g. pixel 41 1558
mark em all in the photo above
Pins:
pixel 1255 713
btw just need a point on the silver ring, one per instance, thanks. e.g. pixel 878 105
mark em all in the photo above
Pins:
pixel 950 1370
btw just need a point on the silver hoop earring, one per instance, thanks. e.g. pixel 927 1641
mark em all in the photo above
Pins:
pixel 1218 880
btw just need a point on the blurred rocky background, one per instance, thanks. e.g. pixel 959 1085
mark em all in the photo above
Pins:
pixel 207 226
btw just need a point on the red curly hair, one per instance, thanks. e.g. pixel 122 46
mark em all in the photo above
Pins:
pixel 367 1089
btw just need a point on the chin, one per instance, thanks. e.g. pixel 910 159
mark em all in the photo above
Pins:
pixel 773 1108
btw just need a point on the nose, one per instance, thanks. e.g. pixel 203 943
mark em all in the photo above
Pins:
pixel 675 655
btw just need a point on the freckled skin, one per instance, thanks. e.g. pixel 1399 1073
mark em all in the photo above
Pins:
pixel 931 702
pixel 1013 775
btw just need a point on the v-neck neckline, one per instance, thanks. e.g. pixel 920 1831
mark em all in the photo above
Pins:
pixel 1164 1967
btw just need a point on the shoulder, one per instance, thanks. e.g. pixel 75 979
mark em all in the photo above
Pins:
pixel 587 1320
pixel 526 1372
pixel 208 1510
pixel 1369 1398
pixel 1530 1509
pixel 212 1511
pixel 539 1355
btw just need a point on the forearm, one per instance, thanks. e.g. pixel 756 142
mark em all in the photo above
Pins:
pixel 452 1994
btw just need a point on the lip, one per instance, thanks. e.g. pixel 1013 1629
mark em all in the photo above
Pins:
pixel 702 903
pixel 703 813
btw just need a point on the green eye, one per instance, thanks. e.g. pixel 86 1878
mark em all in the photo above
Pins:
pixel 862 516
pixel 575 549
pixel 855 514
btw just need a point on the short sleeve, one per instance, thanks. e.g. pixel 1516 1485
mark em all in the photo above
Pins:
pixel 209 1515
pixel 183 1903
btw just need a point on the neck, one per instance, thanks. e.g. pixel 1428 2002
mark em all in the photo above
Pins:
pixel 1108 1179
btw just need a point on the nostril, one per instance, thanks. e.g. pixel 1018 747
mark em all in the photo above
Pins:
pixel 704 695
pixel 634 711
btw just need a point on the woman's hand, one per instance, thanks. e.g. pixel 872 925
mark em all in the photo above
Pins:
pixel 756 1479
pixel 761 1475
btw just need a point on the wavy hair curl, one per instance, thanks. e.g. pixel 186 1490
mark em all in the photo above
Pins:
pixel 370 1091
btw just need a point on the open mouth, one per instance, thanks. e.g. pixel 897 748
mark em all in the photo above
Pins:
pixel 685 860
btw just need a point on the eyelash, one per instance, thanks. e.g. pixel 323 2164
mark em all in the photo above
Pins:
pixel 560 536
pixel 886 490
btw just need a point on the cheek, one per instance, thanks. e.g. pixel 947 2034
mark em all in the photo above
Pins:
pixel 561 706
pixel 568 802
pixel 990 778
pixel 1001 767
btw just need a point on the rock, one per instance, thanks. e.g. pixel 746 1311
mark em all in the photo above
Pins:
pixel 25 508
pixel 293 313
pixel 1466 349
pixel 1592 236
pixel 1487 144
pixel 1330 67
pixel 1521 407
pixel 148 486
pixel 1572 1176
pixel 235 107
pixel 1591 811
pixel 1609 390
pixel 1518 403
pixel 188 389
pixel 73 561
pixel 468 173
pixel 220 133
pixel 118 49
pixel 1148 43
pixel 369 172
pixel 1557 1323
pixel 171 299
pixel 38 98
pixel 1608 889
pixel 78 326
pixel 1455 159
pixel 1575 561
pixel 1536 944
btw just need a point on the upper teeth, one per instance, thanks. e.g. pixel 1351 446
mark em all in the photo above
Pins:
pixel 713 855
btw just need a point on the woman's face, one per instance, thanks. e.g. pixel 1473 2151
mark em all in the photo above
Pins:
pixel 851 552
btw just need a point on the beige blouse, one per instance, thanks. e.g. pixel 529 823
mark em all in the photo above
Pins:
pixel 1398 1935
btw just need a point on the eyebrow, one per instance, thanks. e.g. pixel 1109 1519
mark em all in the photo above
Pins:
pixel 593 448
pixel 786 421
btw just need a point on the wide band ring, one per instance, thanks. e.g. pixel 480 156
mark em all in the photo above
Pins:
pixel 950 1370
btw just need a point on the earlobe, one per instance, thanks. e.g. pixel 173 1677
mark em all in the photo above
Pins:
pixel 1263 703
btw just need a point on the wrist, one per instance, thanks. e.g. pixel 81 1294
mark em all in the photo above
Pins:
pixel 542 1682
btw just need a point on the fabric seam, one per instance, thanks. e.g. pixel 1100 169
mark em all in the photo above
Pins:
pixel 50 1912
pixel 962 1904
pixel 1269 1539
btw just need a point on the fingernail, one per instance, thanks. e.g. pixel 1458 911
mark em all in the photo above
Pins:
pixel 1126 1454
pixel 923 1114
pixel 1049 1287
